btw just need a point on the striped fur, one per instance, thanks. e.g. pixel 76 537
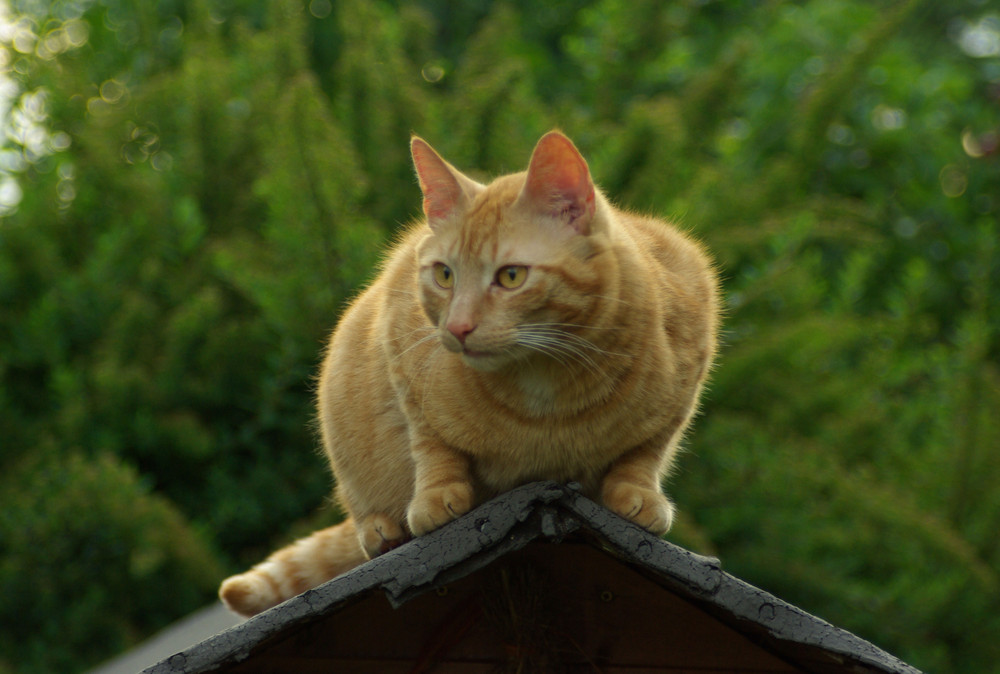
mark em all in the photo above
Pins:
pixel 436 395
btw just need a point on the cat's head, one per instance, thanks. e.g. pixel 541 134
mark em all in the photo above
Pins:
pixel 514 268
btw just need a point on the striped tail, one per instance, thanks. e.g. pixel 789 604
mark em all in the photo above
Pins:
pixel 305 564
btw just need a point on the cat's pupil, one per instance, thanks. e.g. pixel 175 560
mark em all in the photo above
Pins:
pixel 512 276
pixel 443 276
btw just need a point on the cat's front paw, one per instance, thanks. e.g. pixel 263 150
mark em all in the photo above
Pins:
pixel 379 534
pixel 648 508
pixel 436 506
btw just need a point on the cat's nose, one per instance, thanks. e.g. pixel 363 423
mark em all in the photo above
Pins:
pixel 461 330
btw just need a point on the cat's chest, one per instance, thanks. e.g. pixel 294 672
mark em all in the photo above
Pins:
pixel 537 395
pixel 532 435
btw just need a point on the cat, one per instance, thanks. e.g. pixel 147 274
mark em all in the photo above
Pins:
pixel 522 330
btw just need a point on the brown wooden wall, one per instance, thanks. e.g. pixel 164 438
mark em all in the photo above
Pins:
pixel 561 608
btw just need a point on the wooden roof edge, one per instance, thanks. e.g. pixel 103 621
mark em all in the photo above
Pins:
pixel 452 551
pixel 736 602
pixel 548 511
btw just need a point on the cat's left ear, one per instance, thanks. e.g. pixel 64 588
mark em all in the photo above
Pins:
pixel 558 184
pixel 447 191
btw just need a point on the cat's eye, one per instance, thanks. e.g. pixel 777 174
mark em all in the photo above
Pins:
pixel 443 275
pixel 512 276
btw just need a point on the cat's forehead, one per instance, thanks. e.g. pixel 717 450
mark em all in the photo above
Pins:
pixel 487 231
pixel 489 208
pixel 491 232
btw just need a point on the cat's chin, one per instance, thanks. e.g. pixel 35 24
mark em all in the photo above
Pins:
pixel 483 361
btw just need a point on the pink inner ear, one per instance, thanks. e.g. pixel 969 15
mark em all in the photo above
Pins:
pixel 441 189
pixel 559 183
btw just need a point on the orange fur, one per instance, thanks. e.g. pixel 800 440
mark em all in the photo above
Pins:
pixel 442 388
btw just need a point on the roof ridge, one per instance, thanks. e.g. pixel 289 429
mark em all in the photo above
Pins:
pixel 548 511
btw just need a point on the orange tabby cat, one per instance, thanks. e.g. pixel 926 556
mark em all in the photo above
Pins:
pixel 526 330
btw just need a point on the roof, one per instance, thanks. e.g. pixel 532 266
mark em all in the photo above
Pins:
pixel 533 517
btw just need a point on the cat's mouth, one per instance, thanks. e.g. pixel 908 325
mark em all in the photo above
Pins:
pixel 484 361
pixel 461 349
pixel 476 358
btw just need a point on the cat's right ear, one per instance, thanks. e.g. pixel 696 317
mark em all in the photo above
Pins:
pixel 558 184
pixel 447 192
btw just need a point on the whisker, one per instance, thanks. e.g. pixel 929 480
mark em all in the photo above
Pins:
pixel 419 368
pixel 404 336
pixel 613 299
pixel 587 344
pixel 544 347
pixel 423 369
pixel 576 325
pixel 422 340
pixel 576 340
pixel 551 344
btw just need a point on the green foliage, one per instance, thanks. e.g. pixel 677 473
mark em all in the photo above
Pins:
pixel 203 185
pixel 83 541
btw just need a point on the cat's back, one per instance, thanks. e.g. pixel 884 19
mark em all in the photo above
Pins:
pixel 363 427
pixel 685 278
pixel 354 366
pixel 673 250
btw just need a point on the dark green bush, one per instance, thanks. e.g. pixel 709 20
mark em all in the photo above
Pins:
pixel 84 541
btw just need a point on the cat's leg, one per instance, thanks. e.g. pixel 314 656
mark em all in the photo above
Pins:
pixel 443 489
pixel 631 488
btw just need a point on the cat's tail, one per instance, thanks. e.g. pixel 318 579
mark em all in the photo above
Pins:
pixel 305 564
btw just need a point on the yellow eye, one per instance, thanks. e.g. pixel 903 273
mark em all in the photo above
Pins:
pixel 443 276
pixel 512 276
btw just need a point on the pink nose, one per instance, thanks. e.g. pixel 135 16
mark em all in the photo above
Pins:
pixel 461 330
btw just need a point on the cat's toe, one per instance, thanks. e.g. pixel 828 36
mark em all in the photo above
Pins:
pixel 435 507
pixel 379 534
pixel 648 508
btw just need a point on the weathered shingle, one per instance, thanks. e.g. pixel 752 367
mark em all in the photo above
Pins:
pixel 537 514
